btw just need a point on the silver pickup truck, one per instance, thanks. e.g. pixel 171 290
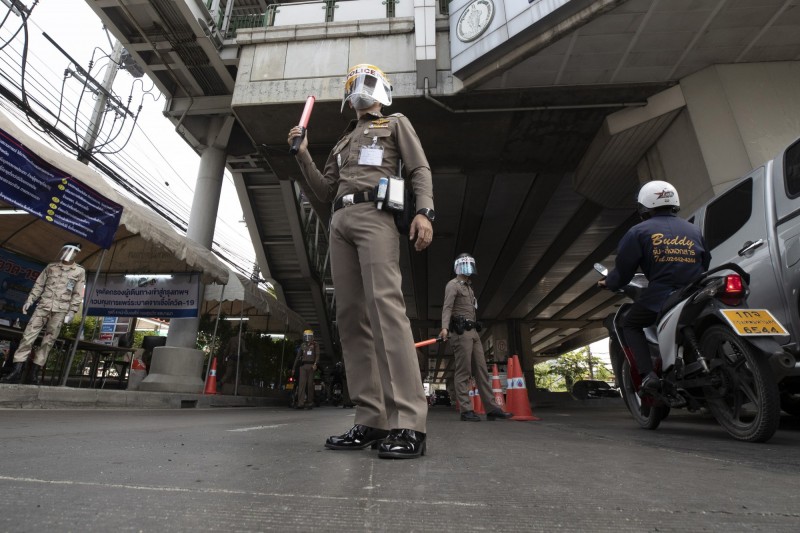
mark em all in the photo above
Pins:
pixel 756 224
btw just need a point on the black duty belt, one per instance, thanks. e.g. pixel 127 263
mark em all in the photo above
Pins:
pixel 354 198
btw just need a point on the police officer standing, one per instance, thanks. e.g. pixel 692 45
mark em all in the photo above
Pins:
pixel 306 361
pixel 378 348
pixel 59 291
pixel 459 319
pixel 671 253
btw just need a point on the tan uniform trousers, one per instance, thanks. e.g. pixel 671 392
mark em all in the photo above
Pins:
pixel 383 372
pixel 51 322
pixel 305 392
pixel 469 359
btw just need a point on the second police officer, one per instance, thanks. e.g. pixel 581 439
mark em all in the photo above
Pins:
pixel 459 319
pixel 381 362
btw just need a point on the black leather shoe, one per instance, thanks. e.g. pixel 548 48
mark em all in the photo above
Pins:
pixel 402 444
pixel 358 438
pixel 470 416
pixel 494 415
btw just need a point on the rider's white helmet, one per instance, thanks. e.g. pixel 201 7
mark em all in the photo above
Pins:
pixel 656 195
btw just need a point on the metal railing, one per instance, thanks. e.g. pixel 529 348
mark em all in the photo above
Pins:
pixel 285 14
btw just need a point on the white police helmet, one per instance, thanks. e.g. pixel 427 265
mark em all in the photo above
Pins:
pixel 366 84
pixel 465 265
pixel 656 195
pixel 69 251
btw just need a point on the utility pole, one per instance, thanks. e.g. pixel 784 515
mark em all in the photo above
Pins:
pixel 100 106
pixel 591 368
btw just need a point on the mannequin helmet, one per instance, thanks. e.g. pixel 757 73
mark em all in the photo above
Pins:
pixel 69 251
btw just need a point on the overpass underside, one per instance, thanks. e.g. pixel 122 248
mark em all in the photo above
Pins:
pixel 539 122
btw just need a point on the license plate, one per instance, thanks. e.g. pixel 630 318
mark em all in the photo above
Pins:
pixel 753 322
pixel 317 387
pixel 289 386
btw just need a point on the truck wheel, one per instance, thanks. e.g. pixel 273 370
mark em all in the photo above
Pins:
pixel 790 403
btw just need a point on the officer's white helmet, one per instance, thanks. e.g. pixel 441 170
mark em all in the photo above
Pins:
pixel 656 195
pixel 366 84
pixel 308 335
pixel 69 251
pixel 465 265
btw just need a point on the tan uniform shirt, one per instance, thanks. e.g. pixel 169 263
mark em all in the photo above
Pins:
pixel 59 288
pixel 458 300
pixel 308 354
pixel 343 174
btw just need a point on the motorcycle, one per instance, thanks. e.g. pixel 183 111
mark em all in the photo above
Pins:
pixel 710 351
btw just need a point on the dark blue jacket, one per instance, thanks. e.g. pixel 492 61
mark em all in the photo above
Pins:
pixel 670 251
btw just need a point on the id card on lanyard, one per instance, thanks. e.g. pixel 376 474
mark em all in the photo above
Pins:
pixel 371 155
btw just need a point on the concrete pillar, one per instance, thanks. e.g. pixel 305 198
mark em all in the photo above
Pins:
pixel 742 115
pixel 178 366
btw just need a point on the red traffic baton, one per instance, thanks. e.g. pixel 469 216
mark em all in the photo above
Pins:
pixel 428 342
pixel 303 125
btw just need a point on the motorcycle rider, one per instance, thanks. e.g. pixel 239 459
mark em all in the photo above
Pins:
pixel 670 251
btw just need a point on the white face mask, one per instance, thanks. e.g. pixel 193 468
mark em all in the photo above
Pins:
pixel 362 102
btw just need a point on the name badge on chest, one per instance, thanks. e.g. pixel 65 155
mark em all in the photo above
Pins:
pixel 371 155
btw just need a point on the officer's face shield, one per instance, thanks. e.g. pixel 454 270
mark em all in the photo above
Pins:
pixel 369 81
pixel 465 266
pixel 308 336
pixel 69 252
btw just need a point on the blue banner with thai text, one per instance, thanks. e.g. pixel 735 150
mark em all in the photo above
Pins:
pixel 34 185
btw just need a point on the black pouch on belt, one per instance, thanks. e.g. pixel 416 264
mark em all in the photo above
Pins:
pixel 457 324
pixel 402 219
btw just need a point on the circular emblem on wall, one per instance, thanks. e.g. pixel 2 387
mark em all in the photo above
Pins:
pixel 474 20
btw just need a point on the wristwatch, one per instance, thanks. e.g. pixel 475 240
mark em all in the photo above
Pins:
pixel 430 214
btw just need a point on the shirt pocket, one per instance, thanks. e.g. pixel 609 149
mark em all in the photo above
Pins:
pixel 379 135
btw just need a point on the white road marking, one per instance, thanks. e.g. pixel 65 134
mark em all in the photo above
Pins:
pixel 254 428
pixel 241 492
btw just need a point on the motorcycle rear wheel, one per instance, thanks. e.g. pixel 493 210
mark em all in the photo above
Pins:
pixel 648 417
pixel 745 398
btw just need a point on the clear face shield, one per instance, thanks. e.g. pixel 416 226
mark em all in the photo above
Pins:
pixel 365 85
pixel 465 266
pixel 69 252
pixel 308 336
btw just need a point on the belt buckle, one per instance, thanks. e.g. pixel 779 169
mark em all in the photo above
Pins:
pixel 348 200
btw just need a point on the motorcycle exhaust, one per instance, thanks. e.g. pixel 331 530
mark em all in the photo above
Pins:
pixel 782 362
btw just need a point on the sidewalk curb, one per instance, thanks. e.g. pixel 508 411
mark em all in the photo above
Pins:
pixel 35 397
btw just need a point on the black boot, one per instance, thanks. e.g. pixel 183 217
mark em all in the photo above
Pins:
pixel 33 375
pixel 16 374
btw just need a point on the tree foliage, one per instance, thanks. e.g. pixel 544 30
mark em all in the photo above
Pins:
pixel 561 373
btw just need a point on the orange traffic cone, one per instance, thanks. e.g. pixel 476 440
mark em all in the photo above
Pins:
pixel 211 383
pixel 477 404
pixel 517 393
pixel 497 389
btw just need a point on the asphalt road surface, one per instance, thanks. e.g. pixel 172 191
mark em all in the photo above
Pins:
pixel 265 469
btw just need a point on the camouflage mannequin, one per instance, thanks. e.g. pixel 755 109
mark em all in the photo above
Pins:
pixel 58 291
